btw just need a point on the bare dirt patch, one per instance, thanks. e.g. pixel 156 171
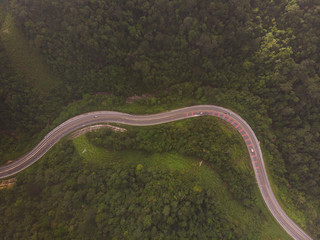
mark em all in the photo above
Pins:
pixel 7 183
pixel 95 128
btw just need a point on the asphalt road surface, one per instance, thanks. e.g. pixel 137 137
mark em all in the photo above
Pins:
pixel 232 118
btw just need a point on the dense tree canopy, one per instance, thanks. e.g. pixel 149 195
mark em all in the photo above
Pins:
pixel 69 197
pixel 111 203
pixel 258 57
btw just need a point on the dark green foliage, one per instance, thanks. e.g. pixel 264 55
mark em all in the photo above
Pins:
pixel 261 58
pixel 71 200
pixel 201 138
pixel 129 47
pixel 20 104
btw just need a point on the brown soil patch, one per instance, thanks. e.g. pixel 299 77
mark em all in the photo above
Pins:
pixel 7 183
pixel 95 128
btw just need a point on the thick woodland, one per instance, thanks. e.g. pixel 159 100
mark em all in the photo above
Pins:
pixel 260 58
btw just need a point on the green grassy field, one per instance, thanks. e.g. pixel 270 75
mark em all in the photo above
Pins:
pixel 189 166
pixel 26 59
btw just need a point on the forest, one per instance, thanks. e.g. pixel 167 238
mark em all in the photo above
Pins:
pixel 259 58
pixel 137 188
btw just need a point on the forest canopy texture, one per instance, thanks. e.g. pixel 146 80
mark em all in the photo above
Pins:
pixel 262 57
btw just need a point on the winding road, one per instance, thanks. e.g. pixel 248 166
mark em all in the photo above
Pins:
pixel 232 118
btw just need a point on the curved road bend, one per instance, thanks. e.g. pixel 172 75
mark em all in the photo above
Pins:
pixel 144 120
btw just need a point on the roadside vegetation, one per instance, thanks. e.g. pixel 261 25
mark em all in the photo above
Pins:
pixel 258 58
pixel 129 185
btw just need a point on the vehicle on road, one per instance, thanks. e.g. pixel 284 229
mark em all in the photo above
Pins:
pixel 146 120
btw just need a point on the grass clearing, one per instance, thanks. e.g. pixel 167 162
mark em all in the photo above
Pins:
pixel 90 152
pixel 238 214
pixel 26 60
